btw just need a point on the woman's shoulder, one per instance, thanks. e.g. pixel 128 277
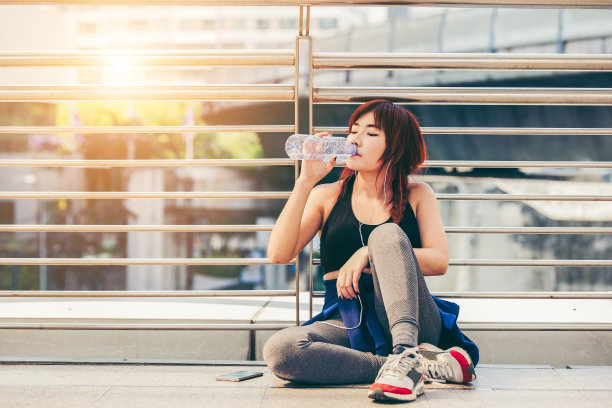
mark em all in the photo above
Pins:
pixel 325 196
pixel 327 190
pixel 420 188
pixel 419 192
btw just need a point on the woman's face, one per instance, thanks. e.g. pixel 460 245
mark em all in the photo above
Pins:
pixel 370 142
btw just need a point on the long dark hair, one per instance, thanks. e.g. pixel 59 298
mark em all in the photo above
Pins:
pixel 405 149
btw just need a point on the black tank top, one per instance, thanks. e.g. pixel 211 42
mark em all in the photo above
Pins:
pixel 340 236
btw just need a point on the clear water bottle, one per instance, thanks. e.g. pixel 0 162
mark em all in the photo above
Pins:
pixel 309 147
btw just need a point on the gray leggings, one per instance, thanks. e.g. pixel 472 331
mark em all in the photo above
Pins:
pixel 321 354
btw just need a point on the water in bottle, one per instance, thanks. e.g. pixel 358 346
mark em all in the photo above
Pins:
pixel 309 147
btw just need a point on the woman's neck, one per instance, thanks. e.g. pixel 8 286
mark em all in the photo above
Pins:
pixel 370 188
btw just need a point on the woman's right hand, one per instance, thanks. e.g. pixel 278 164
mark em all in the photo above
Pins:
pixel 314 170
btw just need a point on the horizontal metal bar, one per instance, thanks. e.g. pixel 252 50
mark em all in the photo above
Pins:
pixel 517 164
pixel 513 295
pixel 254 228
pixel 149 163
pixel 464 61
pixel 466 95
pixel 524 295
pixel 603 4
pixel 280 194
pixel 525 262
pixel 138 261
pixel 167 195
pixel 479 61
pixel 586 327
pixel 145 326
pixel 143 293
pixel 81 58
pixel 291 162
pixel 291 129
pixel 266 261
pixel 248 293
pixel 527 230
pixel 490 131
pixel 530 262
pixel 146 129
pixel 207 326
pixel 523 197
pixel 270 92
pixel 126 228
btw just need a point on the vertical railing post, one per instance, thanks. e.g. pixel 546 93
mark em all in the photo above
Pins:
pixel 296 121
pixel 301 35
pixel 310 131
pixel 304 34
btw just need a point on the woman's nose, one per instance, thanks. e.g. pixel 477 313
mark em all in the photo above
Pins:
pixel 353 138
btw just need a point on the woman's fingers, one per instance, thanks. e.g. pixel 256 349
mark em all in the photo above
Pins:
pixel 345 290
pixel 351 292
pixel 331 164
pixel 348 284
pixel 345 293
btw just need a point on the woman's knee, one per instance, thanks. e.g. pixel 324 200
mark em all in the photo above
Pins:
pixel 283 352
pixel 385 234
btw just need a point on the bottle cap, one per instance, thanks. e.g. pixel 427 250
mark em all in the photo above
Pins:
pixel 351 149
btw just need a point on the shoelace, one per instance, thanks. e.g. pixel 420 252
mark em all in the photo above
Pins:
pixel 437 370
pixel 401 363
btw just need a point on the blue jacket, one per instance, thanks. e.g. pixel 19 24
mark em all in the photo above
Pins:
pixel 370 336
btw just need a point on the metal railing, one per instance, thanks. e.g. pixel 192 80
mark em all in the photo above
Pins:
pixel 316 95
pixel 481 96
pixel 218 92
pixel 422 3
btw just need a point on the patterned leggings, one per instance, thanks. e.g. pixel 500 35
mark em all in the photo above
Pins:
pixel 321 354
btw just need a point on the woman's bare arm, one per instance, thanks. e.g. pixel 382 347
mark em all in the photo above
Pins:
pixel 297 224
pixel 433 256
pixel 301 217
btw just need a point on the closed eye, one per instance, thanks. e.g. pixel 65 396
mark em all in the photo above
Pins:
pixel 369 134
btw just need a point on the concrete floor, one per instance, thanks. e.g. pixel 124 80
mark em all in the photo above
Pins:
pixel 67 386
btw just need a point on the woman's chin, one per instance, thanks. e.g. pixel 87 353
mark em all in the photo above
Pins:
pixel 350 162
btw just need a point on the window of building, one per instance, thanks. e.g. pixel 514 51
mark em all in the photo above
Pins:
pixel 198 25
pixel 7 212
pixel 328 23
pixel 237 24
pixel 263 24
pixel 289 23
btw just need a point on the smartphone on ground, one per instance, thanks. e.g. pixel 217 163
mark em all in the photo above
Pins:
pixel 238 376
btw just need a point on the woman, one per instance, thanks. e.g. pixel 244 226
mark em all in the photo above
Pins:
pixel 380 233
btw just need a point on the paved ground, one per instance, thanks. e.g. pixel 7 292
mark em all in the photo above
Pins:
pixel 67 386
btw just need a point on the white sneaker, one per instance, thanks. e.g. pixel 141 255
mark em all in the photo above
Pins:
pixel 400 378
pixel 452 365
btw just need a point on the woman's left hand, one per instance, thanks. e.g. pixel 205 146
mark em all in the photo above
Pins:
pixel 348 276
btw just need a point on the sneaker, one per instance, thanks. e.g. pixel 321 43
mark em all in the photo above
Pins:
pixel 452 365
pixel 400 378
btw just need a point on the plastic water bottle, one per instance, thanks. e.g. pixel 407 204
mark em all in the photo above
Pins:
pixel 309 147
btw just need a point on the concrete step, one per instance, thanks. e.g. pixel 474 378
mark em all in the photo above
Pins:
pixel 171 329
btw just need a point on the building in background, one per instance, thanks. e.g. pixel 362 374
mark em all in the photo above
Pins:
pixel 341 29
